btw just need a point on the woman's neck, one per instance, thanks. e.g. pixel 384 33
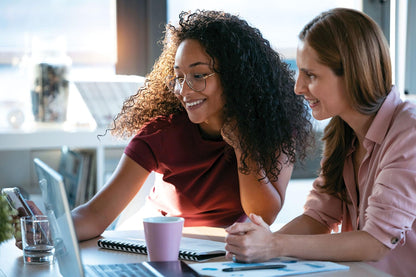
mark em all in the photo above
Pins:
pixel 360 123
pixel 209 132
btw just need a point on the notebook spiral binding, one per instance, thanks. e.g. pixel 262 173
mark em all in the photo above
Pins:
pixel 187 255
pixel 122 246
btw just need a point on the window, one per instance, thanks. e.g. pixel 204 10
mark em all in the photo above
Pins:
pixel 88 30
pixel 279 21
pixel 89 34
pixel 87 26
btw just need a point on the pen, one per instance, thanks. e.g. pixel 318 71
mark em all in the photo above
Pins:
pixel 254 267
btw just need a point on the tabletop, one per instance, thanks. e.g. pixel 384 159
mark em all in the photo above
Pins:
pixel 12 265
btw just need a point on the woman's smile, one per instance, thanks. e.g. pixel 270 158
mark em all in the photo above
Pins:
pixel 193 104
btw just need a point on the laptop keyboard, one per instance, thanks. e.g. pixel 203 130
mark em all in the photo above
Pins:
pixel 117 270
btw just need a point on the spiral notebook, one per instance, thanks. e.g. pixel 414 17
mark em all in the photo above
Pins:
pixel 191 249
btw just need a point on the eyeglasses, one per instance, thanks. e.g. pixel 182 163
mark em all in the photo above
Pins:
pixel 197 82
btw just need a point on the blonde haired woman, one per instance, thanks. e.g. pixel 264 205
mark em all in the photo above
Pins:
pixel 368 176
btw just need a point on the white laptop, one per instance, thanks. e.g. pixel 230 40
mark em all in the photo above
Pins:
pixel 66 244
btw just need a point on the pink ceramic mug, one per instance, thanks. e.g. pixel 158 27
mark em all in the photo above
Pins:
pixel 163 237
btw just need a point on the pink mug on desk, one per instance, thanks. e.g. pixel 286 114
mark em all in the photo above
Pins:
pixel 163 237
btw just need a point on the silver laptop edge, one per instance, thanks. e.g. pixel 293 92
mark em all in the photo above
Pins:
pixel 57 208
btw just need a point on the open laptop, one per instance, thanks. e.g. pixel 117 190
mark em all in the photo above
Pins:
pixel 66 244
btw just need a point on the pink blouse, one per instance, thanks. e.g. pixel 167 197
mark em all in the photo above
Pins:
pixel 385 205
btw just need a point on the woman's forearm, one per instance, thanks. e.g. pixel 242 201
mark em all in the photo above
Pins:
pixel 306 238
pixel 304 225
pixel 92 218
pixel 261 196
pixel 87 225
pixel 254 242
pixel 348 246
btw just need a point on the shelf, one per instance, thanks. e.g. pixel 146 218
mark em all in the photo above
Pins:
pixel 54 138
pixel 18 146
pixel 41 138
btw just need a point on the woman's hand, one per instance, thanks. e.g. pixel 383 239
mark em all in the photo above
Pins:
pixel 250 241
pixel 16 222
pixel 230 134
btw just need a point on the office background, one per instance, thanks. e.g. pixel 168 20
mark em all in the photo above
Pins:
pixel 107 37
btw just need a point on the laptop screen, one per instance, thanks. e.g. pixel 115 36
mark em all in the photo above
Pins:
pixel 59 214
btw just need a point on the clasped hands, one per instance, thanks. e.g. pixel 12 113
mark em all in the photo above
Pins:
pixel 249 241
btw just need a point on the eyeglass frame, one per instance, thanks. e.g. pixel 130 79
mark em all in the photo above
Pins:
pixel 177 82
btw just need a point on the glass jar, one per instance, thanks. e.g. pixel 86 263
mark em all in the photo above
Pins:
pixel 50 80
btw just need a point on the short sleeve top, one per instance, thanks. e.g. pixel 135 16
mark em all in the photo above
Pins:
pixel 200 178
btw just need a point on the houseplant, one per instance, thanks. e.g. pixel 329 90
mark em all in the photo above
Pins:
pixel 6 220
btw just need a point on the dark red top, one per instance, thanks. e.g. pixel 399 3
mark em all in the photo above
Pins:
pixel 200 176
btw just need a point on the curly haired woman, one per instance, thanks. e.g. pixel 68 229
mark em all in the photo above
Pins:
pixel 217 117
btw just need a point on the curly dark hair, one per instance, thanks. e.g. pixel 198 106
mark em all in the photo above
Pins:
pixel 257 88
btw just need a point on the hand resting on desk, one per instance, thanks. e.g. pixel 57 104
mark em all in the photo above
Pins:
pixel 249 239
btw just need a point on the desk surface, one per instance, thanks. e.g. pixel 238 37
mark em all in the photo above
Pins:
pixel 12 265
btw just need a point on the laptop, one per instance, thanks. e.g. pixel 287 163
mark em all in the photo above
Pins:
pixel 67 252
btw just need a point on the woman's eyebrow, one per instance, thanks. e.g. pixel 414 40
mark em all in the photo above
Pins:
pixel 193 65
pixel 305 70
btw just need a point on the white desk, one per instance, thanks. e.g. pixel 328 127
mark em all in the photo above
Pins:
pixel 11 260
